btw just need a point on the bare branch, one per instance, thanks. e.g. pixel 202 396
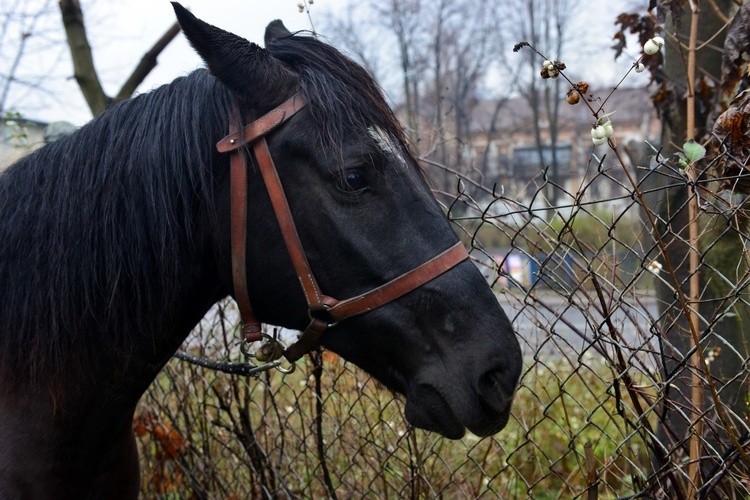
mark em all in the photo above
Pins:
pixel 148 62
pixel 83 61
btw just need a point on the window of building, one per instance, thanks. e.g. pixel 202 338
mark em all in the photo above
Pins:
pixel 526 164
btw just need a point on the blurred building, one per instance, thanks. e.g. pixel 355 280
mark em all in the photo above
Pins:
pixel 21 136
pixel 503 148
pixel 18 137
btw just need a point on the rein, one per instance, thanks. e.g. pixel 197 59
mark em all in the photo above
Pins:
pixel 324 311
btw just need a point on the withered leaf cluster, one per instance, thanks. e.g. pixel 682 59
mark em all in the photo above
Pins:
pixel 732 131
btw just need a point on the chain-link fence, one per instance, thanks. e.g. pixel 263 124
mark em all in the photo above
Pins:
pixel 631 309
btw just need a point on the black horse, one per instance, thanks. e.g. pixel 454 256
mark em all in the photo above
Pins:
pixel 115 241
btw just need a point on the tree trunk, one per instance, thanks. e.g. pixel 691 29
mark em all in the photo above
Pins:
pixel 685 381
pixel 83 61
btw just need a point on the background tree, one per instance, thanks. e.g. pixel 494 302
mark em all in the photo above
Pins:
pixel 32 48
pixel 402 19
pixel 545 25
pixel 25 30
pixel 83 62
pixel 446 52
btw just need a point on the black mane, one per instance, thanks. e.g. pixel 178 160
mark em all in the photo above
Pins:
pixel 93 227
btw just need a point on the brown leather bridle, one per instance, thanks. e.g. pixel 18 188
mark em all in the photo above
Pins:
pixel 324 311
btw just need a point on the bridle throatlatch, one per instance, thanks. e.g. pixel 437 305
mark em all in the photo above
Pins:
pixel 324 311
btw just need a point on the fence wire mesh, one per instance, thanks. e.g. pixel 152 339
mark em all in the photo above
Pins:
pixel 615 400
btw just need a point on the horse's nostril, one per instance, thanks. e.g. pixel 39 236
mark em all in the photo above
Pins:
pixel 496 387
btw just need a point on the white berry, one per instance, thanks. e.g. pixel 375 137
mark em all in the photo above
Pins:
pixel 598 132
pixel 652 46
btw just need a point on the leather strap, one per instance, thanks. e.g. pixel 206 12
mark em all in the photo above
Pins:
pixel 263 125
pixel 251 328
pixel 397 287
pixel 317 302
pixel 238 179
pixel 313 296
pixel 401 285
pixel 308 341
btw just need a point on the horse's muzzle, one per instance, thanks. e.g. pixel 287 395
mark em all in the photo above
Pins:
pixel 450 406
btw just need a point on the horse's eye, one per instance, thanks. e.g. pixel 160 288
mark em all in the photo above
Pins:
pixel 352 181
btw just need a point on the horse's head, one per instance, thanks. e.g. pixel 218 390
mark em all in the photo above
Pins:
pixel 365 216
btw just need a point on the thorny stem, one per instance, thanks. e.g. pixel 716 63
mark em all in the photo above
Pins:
pixel 685 303
pixel 622 366
pixel 696 391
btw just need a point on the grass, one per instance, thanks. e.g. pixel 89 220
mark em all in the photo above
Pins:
pixel 261 438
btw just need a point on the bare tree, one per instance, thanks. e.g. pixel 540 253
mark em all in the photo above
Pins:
pixel 544 25
pixel 463 48
pixel 83 63
pixel 29 28
pixel 403 18
pixel 445 51
pixel 350 31
pixel 475 46
pixel 21 24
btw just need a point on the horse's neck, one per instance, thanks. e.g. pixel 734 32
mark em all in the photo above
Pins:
pixel 84 435
pixel 88 453
pixel 157 346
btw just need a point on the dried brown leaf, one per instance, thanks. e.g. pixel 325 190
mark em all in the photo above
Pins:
pixel 666 8
pixel 635 24
pixel 736 55
pixel 732 131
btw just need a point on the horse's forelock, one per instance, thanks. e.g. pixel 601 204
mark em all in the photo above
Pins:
pixel 343 96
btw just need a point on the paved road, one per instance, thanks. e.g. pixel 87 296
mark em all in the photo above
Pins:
pixel 549 325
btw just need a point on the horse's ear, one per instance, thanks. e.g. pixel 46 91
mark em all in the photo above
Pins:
pixel 244 67
pixel 274 30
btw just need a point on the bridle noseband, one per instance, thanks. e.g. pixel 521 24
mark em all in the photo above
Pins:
pixel 324 311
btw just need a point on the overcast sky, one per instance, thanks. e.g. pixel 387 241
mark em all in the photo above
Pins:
pixel 141 22
pixel 120 32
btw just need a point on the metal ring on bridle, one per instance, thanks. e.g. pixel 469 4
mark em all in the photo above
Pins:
pixel 283 370
pixel 245 346
pixel 245 349
pixel 328 325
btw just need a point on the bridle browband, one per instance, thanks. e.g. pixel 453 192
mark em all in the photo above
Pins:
pixel 324 311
